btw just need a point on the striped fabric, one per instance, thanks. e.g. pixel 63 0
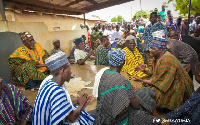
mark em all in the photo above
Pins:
pixel 22 63
pixel 132 60
pixel 14 106
pixel 83 119
pixel 113 102
pixel 51 105
pixel 172 83
pixel 101 56
pixel 25 70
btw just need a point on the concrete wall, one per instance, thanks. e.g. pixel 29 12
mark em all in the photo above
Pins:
pixel 64 22
pixel 42 35
pixel 9 40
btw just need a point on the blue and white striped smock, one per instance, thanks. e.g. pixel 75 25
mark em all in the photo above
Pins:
pixel 52 106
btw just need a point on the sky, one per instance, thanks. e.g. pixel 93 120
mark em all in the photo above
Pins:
pixel 125 9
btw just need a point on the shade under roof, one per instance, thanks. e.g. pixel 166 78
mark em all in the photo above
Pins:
pixel 69 7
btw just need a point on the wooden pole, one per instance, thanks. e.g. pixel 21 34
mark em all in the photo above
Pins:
pixel 84 19
pixel 2 11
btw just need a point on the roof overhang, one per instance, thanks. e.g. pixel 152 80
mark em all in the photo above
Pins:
pixel 69 7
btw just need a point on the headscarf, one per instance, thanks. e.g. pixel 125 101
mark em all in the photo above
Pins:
pixel 158 40
pixel 56 61
pixel 25 35
pixel 131 37
pixel 54 40
pixel 78 40
pixel 116 57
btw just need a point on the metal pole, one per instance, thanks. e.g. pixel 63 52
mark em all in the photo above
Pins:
pixel 84 18
pixel 2 11
pixel 188 32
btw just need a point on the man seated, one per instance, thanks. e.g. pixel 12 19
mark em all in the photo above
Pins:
pixel 133 58
pixel 53 104
pixel 56 44
pixel 81 57
pixel 190 110
pixel 15 108
pixel 183 52
pixel 27 62
pixel 101 55
pixel 117 102
pixel 172 84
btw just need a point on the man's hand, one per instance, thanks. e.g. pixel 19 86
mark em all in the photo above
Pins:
pixel 141 67
pixel 89 98
pixel 83 100
pixel 135 78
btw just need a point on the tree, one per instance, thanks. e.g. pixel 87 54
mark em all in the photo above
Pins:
pixel 114 19
pixel 182 6
pixel 119 18
pixel 143 13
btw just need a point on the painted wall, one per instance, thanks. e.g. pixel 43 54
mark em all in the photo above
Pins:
pixel 42 35
pixel 9 39
pixel 64 22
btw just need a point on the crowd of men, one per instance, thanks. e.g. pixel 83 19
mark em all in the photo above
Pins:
pixel 157 52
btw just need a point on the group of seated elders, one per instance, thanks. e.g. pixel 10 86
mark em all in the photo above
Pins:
pixel 101 53
pixel 81 57
pixel 172 83
pixel 27 62
pixel 53 104
pixel 133 58
pixel 15 108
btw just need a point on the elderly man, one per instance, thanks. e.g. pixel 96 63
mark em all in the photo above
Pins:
pixel 172 84
pixel 27 62
pixel 183 52
pixel 117 102
pixel 101 54
pixel 133 58
pixel 15 108
pixel 81 57
pixel 56 43
pixel 53 104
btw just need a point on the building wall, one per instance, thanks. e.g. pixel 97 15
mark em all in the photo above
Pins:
pixel 42 35
pixel 64 22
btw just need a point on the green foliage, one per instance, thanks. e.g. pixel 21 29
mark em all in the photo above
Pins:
pixel 119 18
pixel 143 13
pixel 166 4
pixel 114 19
pixel 182 6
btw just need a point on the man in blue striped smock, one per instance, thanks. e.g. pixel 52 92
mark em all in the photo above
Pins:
pixel 53 104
